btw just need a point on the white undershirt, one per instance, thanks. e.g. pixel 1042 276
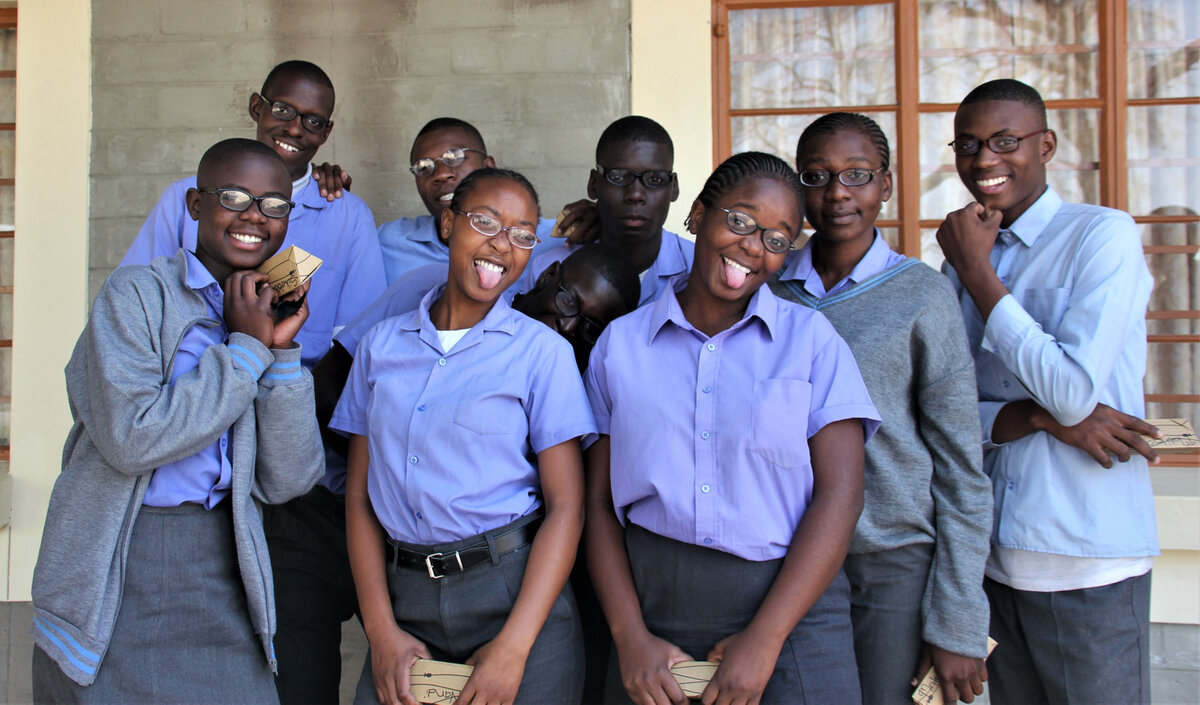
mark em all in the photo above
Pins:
pixel 450 338
pixel 299 184
pixel 1034 571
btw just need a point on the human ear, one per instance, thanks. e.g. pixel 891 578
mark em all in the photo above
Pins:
pixel 674 187
pixel 694 216
pixel 593 185
pixel 1048 145
pixel 885 187
pixel 255 106
pixel 192 199
pixel 447 223
pixel 547 276
pixel 489 162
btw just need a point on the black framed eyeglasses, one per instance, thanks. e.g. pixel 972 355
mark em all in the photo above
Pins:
pixel 568 306
pixel 816 178
pixel 742 224
pixel 485 224
pixel 651 178
pixel 283 112
pixel 452 157
pixel 239 201
pixel 1000 144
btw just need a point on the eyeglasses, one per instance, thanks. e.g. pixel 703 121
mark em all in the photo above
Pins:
pixel 651 178
pixel 999 144
pixel 452 157
pixel 742 224
pixel 487 225
pixel 816 178
pixel 283 112
pixel 239 201
pixel 569 307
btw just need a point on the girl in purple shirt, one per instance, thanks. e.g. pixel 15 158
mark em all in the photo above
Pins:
pixel 727 479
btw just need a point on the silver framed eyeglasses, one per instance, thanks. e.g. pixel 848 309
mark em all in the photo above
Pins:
pixel 238 201
pixel 485 224
pixel 452 157
pixel 816 178
pixel 742 224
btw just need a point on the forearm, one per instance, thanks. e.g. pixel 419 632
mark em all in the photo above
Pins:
pixel 1019 419
pixel 365 543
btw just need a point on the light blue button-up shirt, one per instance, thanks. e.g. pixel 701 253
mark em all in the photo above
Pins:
pixel 710 435
pixel 799 266
pixel 1071 334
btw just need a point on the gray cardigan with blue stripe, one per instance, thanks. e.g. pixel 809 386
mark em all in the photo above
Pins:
pixel 130 419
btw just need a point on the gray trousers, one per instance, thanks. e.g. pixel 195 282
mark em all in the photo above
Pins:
pixel 183 633
pixel 694 597
pixel 886 588
pixel 1086 646
pixel 455 615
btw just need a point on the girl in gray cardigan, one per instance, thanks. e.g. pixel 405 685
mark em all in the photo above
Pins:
pixel 190 408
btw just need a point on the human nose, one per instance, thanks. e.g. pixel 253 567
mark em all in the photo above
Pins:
pixel 567 324
pixel 636 191
pixel 986 156
pixel 442 172
pixel 254 213
pixel 835 190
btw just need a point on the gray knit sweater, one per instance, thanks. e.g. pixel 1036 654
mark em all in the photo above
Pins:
pixel 129 420
pixel 924 476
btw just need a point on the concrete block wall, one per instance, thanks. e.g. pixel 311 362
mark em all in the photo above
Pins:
pixel 539 78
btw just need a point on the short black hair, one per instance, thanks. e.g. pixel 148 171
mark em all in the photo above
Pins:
pixel 740 168
pixel 634 128
pixel 447 123
pixel 468 184
pixel 298 69
pixel 835 122
pixel 1007 89
pixel 225 150
pixel 612 265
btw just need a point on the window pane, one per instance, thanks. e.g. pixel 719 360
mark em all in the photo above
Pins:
pixel 1075 170
pixel 1161 62
pixel 1164 158
pixel 778 135
pixel 8 50
pixel 1049 44
pixel 1172 368
pixel 931 252
pixel 803 57
pixel 941 189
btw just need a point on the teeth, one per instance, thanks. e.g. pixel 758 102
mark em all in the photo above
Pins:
pixel 287 147
pixel 735 265
pixel 248 239
pixel 992 182
pixel 489 265
pixel 447 198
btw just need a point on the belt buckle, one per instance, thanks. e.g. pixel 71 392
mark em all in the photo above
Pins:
pixel 429 564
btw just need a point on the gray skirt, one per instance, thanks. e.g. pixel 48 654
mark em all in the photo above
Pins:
pixel 183 632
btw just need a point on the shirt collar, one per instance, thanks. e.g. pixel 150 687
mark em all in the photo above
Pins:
pixel 425 230
pixel 763 306
pixel 1032 223
pixel 670 260
pixel 200 280
pixel 501 318
pixel 308 195
pixel 800 265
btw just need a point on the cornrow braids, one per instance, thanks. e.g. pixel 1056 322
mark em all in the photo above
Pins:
pixel 740 168
pixel 835 122
pixel 472 180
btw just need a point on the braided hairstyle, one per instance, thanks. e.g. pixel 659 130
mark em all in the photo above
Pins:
pixel 740 168
pixel 472 180
pixel 835 122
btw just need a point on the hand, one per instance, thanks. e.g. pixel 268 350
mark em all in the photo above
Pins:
pixel 746 663
pixel 646 664
pixel 331 178
pixel 287 328
pixel 248 305
pixel 497 675
pixel 584 218
pixel 962 677
pixel 393 654
pixel 966 237
pixel 1107 432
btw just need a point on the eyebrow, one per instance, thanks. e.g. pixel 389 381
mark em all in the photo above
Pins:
pixel 527 224
pixel 239 187
pixel 749 207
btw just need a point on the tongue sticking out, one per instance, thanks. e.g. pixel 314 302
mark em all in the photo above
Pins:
pixel 488 277
pixel 734 277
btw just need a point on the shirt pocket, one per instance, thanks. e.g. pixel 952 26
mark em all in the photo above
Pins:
pixel 489 408
pixel 1047 306
pixel 780 418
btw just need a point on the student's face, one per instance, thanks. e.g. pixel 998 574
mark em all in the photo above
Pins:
pixel 290 139
pixel 632 214
pixel 482 267
pixel 437 189
pixel 841 213
pixel 580 287
pixel 1012 181
pixel 732 266
pixel 226 240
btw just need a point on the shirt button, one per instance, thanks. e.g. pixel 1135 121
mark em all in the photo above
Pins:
pixel 1012 485
pixel 421 407
pixel 707 542
pixel 704 435
pixel 1005 384
pixel 707 389
pixel 419 516
pixel 705 488
pixel 711 346
pixel 442 362
pixel 224 442
pixel 412 460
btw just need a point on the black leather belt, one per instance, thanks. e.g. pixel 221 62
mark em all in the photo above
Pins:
pixel 443 563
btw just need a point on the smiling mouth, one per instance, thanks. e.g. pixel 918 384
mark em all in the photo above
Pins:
pixel 287 147
pixel 247 239
pixel 987 183
pixel 446 197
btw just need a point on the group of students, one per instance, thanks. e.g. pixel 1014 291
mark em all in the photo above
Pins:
pixel 790 453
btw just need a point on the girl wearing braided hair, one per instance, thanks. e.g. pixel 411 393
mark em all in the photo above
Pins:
pixel 727 478
pixel 916 561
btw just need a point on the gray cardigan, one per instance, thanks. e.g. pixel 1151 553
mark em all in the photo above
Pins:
pixel 130 419
pixel 924 477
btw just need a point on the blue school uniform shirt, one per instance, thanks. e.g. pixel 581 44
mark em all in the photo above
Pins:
pixel 674 261
pixel 1071 333
pixel 453 435
pixel 340 232
pixel 799 266
pixel 202 478
pixel 401 296
pixel 411 243
pixel 709 436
